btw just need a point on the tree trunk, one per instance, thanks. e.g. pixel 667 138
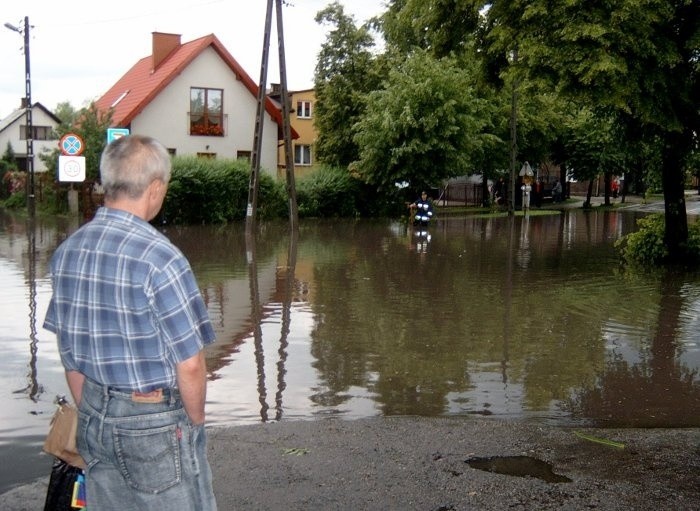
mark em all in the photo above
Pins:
pixel 607 178
pixel 485 195
pixel 589 194
pixel 563 179
pixel 676 233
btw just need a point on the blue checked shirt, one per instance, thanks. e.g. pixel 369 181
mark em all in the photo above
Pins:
pixel 125 306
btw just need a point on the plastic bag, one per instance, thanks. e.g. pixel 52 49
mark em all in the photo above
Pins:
pixel 63 493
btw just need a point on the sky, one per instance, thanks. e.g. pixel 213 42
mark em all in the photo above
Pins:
pixel 79 48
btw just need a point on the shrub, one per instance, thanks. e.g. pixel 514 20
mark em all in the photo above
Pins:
pixel 328 192
pixel 17 200
pixel 336 192
pixel 206 191
pixel 645 247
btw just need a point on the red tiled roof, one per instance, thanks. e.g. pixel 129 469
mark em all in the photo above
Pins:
pixel 142 84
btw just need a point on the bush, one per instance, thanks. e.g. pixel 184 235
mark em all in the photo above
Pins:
pixel 205 191
pixel 17 200
pixel 336 192
pixel 328 192
pixel 645 247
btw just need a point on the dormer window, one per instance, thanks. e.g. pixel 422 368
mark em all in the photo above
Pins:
pixel 206 112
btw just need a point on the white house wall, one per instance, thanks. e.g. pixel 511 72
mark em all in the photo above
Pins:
pixel 40 118
pixel 167 116
pixel 12 135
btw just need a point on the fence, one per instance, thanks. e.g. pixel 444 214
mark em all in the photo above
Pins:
pixel 462 192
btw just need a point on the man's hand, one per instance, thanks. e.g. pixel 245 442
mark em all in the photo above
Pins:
pixel 75 384
pixel 192 383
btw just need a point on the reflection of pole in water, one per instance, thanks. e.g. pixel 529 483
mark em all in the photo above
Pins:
pixel 256 317
pixel 286 321
pixel 524 247
pixel 508 289
pixel 32 387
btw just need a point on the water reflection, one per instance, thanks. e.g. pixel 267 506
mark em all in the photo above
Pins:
pixel 32 389
pixel 515 317
pixel 656 390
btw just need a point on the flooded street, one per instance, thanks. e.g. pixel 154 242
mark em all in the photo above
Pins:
pixel 522 318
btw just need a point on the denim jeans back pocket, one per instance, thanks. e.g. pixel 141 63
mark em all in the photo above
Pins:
pixel 149 459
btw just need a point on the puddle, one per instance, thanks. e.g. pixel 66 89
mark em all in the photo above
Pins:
pixel 521 466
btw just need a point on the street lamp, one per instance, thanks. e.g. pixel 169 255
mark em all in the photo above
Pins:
pixel 24 30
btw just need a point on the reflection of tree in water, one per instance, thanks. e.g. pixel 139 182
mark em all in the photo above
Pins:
pixel 668 393
pixel 394 352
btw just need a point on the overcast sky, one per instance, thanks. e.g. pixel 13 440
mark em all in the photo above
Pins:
pixel 80 48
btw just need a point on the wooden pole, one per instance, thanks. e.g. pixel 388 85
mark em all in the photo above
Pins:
pixel 284 98
pixel 254 185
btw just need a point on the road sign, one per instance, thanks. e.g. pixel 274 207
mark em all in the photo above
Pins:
pixel 71 145
pixel 71 169
pixel 115 133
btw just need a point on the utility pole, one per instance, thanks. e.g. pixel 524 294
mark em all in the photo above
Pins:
pixel 254 185
pixel 287 129
pixel 251 210
pixel 24 30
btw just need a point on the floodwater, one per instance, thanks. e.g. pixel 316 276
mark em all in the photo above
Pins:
pixel 520 318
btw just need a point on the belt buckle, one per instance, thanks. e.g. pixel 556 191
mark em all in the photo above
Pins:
pixel 155 396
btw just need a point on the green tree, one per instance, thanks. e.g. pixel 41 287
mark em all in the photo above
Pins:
pixel 8 164
pixel 442 27
pixel 457 28
pixel 89 124
pixel 423 127
pixel 66 113
pixel 637 57
pixel 345 72
pixel 594 147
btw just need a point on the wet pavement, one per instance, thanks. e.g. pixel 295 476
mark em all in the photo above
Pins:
pixel 424 464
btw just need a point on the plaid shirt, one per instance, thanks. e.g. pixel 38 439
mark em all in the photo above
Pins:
pixel 125 307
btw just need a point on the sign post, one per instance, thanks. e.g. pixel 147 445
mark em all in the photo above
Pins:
pixel 71 166
pixel 115 133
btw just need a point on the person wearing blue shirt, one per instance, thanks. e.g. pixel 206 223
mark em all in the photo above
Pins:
pixel 422 209
pixel 131 327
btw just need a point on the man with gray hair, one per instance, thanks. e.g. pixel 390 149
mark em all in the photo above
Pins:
pixel 131 326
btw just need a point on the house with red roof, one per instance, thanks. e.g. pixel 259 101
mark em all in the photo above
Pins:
pixel 196 99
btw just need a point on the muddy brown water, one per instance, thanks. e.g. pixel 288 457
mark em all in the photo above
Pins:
pixel 519 318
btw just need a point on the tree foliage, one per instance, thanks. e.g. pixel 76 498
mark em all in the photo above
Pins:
pixel 593 145
pixel 639 58
pixel 89 124
pixel 345 72
pixel 422 127
pixel 441 27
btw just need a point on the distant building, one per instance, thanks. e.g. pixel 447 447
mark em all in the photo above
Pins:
pixel 196 99
pixel 13 130
pixel 302 104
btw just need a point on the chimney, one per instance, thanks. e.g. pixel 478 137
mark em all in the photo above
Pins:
pixel 23 103
pixel 163 45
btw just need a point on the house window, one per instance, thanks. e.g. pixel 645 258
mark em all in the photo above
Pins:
pixel 304 109
pixel 206 112
pixel 39 132
pixel 302 155
pixel 243 155
pixel 207 156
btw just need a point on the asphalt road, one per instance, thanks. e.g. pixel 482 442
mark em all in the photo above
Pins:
pixel 424 464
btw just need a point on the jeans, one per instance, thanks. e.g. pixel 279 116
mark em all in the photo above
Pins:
pixel 142 456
